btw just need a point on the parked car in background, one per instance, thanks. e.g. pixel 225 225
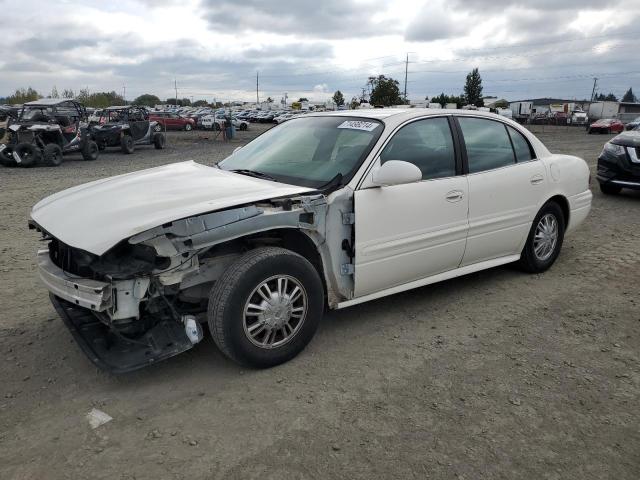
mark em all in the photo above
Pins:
pixel 171 121
pixel 606 125
pixel 633 124
pixel 619 163
pixel 285 227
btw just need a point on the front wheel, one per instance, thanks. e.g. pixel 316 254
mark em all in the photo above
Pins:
pixel 158 141
pixel 126 144
pixel 52 156
pixel 266 307
pixel 609 189
pixel 157 128
pixel 90 151
pixel 188 127
pixel 545 239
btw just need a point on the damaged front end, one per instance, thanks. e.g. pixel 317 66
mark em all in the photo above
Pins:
pixel 142 300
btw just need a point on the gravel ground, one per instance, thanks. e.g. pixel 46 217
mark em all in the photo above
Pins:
pixel 497 375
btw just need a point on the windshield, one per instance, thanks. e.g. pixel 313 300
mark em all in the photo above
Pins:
pixel 309 151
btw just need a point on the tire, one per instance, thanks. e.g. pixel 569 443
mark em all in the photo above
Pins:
pixel 52 156
pixel 29 154
pixel 6 160
pixel 243 126
pixel 90 151
pixel 188 127
pixel 531 261
pixel 237 288
pixel 157 128
pixel 126 144
pixel 590 132
pixel 158 141
pixel 609 189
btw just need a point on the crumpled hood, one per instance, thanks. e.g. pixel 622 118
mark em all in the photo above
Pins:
pixel 97 215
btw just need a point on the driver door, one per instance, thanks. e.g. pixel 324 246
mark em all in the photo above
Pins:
pixel 405 233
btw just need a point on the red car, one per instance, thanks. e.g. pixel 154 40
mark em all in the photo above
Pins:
pixel 606 125
pixel 171 121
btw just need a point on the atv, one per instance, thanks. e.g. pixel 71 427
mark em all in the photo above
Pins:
pixel 126 127
pixel 44 131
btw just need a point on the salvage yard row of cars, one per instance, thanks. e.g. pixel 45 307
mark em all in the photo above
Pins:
pixel 328 210
pixel 44 131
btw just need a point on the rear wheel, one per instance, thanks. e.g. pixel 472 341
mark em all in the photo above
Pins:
pixel 266 307
pixel 157 128
pixel 609 189
pixel 28 154
pixel 158 141
pixel 90 151
pixel 126 144
pixel 545 239
pixel 52 156
pixel 188 127
pixel 243 126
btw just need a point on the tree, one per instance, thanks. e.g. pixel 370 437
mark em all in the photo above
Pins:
pixel 200 103
pixel 68 93
pixel 443 99
pixel 147 100
pixel 338 98
pixel 473 88
pixel 355 102
pixel 610 97
pixel 629 96
pixel 384 91
pixel 100 99
pixel 22 95
pixel 54 92
pixel 269 100
pixel 303 99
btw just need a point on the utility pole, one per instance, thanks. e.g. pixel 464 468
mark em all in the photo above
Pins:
pixel 257 97
pixel 124 94
pixel 593 92
pixel 175 85
pixel 406 71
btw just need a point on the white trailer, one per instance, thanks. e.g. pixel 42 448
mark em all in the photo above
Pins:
pixel 451 106
pixel 598 110
pixel 521 110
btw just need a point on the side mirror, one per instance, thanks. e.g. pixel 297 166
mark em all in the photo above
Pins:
pixel 395 172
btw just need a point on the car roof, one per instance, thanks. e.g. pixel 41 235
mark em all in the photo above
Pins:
pixel 46 102
pixel 398 115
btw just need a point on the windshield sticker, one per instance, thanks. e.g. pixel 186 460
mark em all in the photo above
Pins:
pixel 359 125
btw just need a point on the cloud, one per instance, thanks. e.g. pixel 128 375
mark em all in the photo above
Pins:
pixel 435 22
pixel 306 18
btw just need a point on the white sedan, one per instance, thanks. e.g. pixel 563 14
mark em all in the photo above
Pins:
pixel 326 210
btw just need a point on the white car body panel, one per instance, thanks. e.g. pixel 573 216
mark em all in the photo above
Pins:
pixel 428 236
pixel 97 215
pixel 502 205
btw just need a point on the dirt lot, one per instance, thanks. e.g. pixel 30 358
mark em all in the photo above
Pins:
pixel 497 375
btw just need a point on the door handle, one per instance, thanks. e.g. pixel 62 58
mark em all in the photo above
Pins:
pixel 536 179
pixel 454 196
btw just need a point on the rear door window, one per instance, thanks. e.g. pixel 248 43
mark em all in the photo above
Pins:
pixel 487 143
pixel 521 146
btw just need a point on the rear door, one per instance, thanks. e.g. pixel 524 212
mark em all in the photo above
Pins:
pixel 506 187
pixel 408 232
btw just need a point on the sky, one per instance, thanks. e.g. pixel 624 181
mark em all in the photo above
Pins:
pixel 212 49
